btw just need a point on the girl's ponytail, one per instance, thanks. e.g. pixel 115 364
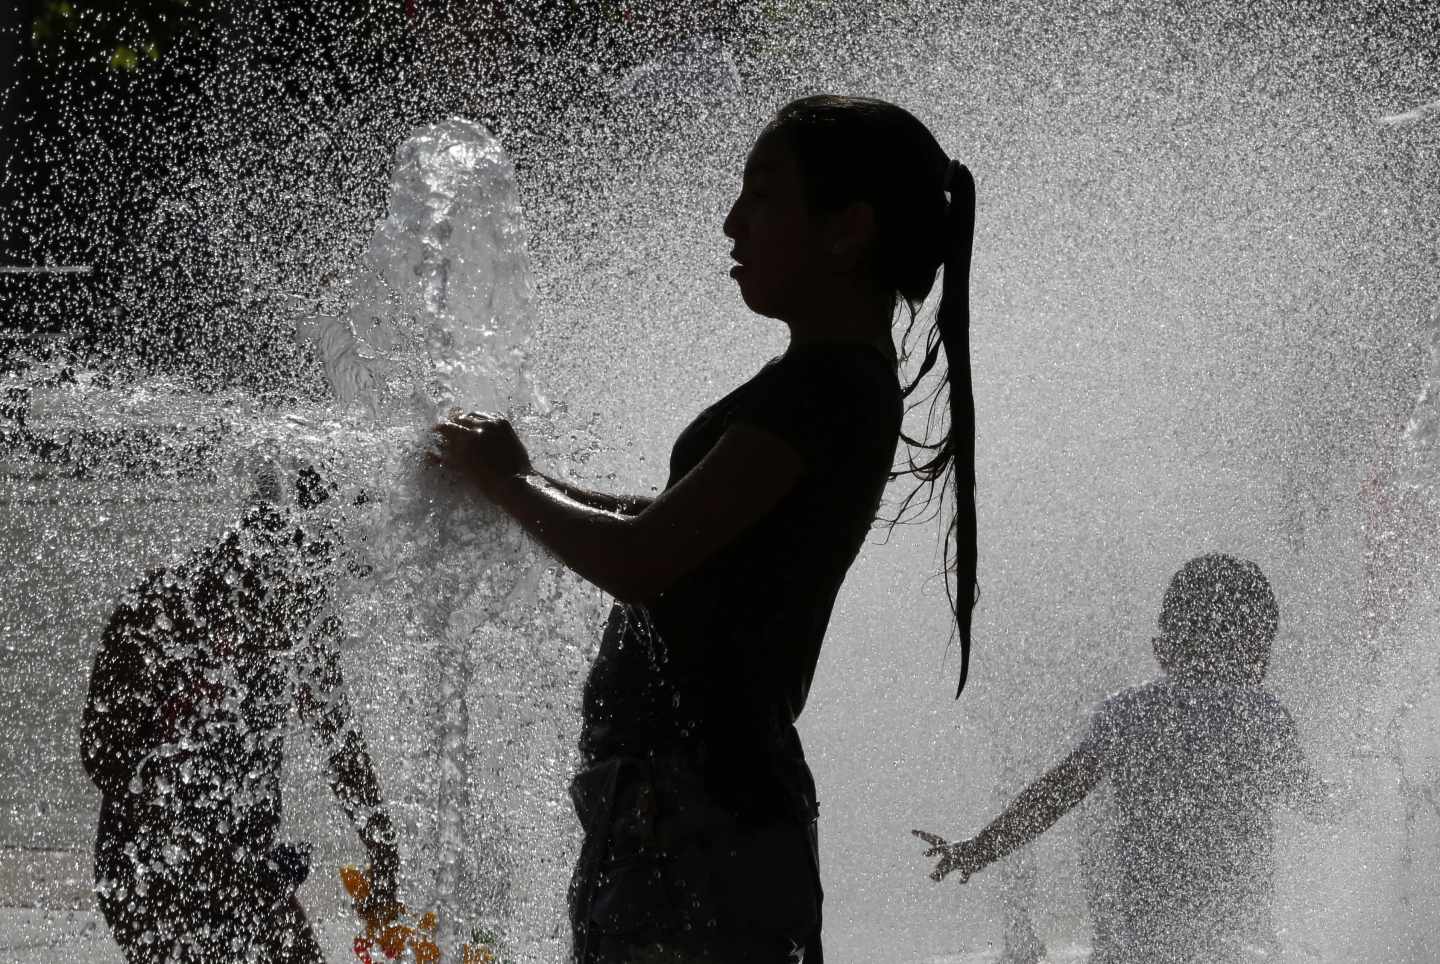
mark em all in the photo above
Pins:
pixel 952 457
pixel 952 320
pixel 859 149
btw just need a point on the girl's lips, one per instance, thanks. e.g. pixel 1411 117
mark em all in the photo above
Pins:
pixel 736 270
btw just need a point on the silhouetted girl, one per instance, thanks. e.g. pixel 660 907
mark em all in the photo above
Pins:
pixel 698 807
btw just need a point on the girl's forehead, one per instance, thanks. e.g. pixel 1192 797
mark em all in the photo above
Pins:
pixel 771 155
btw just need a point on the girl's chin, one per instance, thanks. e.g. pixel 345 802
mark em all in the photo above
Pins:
pixel 762 308
pixel 754 295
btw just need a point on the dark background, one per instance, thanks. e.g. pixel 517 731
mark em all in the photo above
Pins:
pixel 125 120
pixel 117 107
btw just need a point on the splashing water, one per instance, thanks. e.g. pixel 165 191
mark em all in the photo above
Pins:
pixel 1414 114
pixel 444 287
pixel 440 314
pixel 458 628
pixel 1204 284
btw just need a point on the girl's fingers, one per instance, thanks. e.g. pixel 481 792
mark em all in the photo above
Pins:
pixel 476 418
pixel 454 432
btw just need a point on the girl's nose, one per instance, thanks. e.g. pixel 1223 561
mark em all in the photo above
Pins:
pixel 732 225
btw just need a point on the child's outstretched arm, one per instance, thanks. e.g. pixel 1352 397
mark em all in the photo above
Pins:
pixel 1034 811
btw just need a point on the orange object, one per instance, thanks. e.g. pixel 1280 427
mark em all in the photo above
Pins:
pixel 357 885
pixel 393 940
pixel 388 930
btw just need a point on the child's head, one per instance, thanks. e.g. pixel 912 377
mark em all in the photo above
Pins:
pixel 1217 620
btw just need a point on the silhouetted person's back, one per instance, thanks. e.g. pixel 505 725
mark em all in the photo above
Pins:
pixel 1197 768
pixel 1198 760
pixel 184 734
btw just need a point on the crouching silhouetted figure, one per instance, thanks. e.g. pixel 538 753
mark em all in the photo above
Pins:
pixel 183 733
pixel 1198 760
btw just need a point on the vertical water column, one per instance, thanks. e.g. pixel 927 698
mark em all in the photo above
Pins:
pixel 1408 533
pixel 438 314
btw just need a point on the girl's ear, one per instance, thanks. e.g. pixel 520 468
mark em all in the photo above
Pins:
pixel 851 234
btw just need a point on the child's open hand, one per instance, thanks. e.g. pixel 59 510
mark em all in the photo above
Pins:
pixel 963 857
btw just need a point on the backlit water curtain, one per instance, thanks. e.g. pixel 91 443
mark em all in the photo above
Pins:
pixel 1205 307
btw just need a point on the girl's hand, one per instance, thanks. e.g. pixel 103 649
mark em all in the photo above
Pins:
pixel 484 448
pixel 963 857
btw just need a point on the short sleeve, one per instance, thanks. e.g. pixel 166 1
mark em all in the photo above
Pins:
pixel 823 403
pixel 1104 734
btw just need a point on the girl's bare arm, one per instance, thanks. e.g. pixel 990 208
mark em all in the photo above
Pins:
pixel 637 555
pixel 622 504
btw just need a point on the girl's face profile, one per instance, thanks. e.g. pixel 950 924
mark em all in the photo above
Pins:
pixel 779 246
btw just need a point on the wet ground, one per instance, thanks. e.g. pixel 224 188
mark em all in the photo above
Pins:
pixel 35 937
pixel 48 914
pixel 29 936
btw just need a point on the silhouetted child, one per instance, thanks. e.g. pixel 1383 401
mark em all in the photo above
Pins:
pixel 183 732
pixel 1198 760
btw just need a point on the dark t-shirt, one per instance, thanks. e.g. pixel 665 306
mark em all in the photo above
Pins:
pixel 722 662
pixel 1198 769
